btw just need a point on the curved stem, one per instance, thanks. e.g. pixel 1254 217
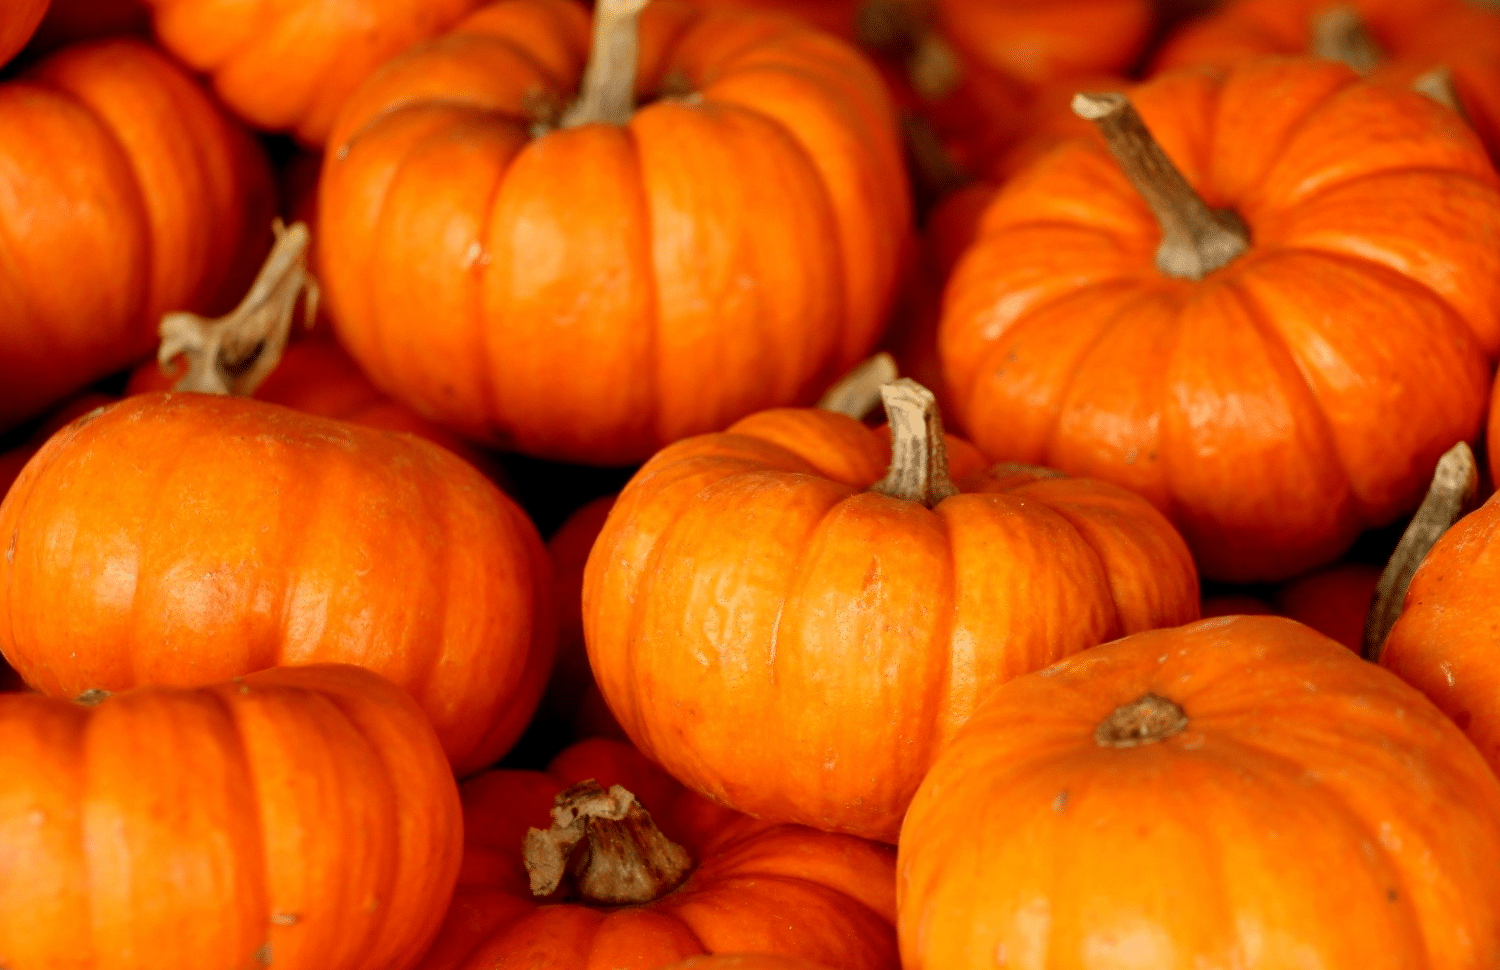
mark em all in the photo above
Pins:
pixel 607 95
pixel 858 391
pixel 919 456
pixel 1195 240
pixel 236 352
pixel 1454 490
pixel 1340 34
pixel 608 844
pixel 1146 720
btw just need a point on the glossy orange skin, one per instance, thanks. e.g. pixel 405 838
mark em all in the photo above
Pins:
pixel 756 886
pixel 1417 35
pixel 545 316
pixel 1032 846
pixel 18 23
pixel 289 65
pixel 230 535
pixel 306 810
pixel 153 201
pixel 748 578
pixel 1270 430
pixel 1444 643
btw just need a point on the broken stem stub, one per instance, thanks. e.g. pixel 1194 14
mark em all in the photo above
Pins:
pixel 1454 491
pixel 607 95
pixel 919 455
pixel 858 392
pixel 1341 34
pixel 1437 84
pixel 1146 720
pixel 236 352
pixel 609 847
pixel 1195 240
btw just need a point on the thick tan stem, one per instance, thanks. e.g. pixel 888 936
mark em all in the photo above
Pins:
pixel 1195 240
pixel 607 96
pixel 1454 490
pixel 919 456
pixel 1340 34
pixel 905 31
pixel 236 352
pixel 858 392
pixel 1437 84
pixel 609 847
pixel 1146 720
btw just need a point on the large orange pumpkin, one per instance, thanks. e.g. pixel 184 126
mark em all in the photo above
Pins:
pixel 770 577
pixel 290 66
pixel 187 538
pixel 593 291
pixel 298 818
pixel 661 874
pixel 17 23
pixel 126 194
pixel 1281 369
pixel 1242 792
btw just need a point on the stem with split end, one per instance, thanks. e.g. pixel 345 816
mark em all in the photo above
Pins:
pixel 1455 487
pixel 609 846
pixel 919 456
pixel 1195 240
pixel 235 353
pixel 1340 34
pixel 857 393
pixel 607 96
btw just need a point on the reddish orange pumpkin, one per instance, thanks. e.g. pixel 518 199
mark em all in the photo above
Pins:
pixel 1269 428
pixel 139 197
pixel 18 23
pixel 71 21
pixel 769 576
pixel 290 66
pixel 12 461
pixel 1040 40
pixel 228 536
pixel 734 245
pixel 302 818
pixel 1334 600
pixel 750 885
pixel 746 961
pixel 1184 798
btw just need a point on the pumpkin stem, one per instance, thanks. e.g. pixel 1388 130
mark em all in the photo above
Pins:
pixel 1195 240
pixel 919 456
pixel 607 96
pixel 1437 84
pixel 904 30
pixel 1146 720
pixel 236 352
pixel 622 857
pixel 858 391
pixel 1340 34
pixel 1454 490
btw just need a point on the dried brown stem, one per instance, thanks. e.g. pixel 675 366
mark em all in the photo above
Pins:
pixel 1195 240
pixel 236 352
pixel 1454 491
pixel 905 30
pixel 858 392
pixel 609 847
pixel 919 455
pixel 607 95
pixel 1437 84
pixel 1340 34
pixel 1146 720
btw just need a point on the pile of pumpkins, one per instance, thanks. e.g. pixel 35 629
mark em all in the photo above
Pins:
pixel 1009 471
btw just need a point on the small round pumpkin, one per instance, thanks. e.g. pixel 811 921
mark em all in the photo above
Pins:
pixel 1238 792
pixel 769 576
pixel 1268 427
pixel 299 818
pixel 187 538
pixel 632 870
pixel 744 222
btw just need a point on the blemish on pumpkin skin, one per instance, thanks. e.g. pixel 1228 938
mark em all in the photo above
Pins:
pixel 1061 801
pixel 284 919
pixel 10 550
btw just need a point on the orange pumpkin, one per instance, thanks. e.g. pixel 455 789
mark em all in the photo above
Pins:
pixel 227 536
pixel 133 196
pixel 302 818
pixel 17 25
pixel 13 460
pixel 1334 600
pixel 290 66
pixel 674 877
pixel 1187 798
pixel 770 576
pixel 1270 429
pixel 1038 41
pixel 745 961
pixel 545 316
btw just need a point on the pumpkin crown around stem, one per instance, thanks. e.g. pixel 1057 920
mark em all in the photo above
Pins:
pixel 1146 720
pixel 607 95
pixel 1340 34
pixel 236 352
pixel 609 847
pixel 905 30
pixel 919 456
pixel 1196 240
pixel 1452 495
